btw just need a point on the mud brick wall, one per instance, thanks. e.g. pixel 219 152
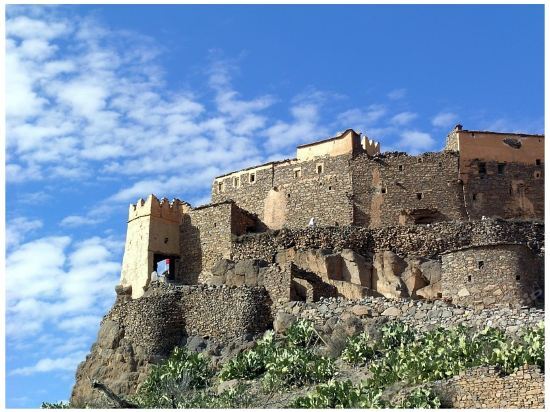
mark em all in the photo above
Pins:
pixel 492 275
pixel 484 387
pixel 516 192
pixel 390 183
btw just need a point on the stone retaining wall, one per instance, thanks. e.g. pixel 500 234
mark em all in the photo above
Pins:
pixel 418 240
pixel 423 315
pixel 485 387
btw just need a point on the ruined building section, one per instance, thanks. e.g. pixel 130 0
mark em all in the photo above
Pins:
pixel 152 235
pixel 502 173
pixel 492 275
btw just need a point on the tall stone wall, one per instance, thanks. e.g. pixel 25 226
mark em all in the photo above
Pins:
pixel 507 190
pixel 492 275
pixel 388 186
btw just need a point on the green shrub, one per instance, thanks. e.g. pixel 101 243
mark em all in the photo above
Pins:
pixel 301 333
pixel 55 405
pixel 166 382
pixel 340 394
pixel 251 363
pixel 418 398
pixel 358 350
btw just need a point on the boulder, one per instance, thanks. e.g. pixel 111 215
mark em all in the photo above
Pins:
pixel 283 321
pixel 356 268
pixel 109 335
pixel 222 266
pixel 413 278
pixel 392 312
pixel 386 274
pixel 431 270
pixel 234 279
pixel 431 292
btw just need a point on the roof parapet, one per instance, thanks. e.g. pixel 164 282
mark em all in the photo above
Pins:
pixel 169 210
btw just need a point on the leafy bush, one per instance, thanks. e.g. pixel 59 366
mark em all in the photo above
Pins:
pixel 358 350
pixel 419 398
pixel 301 333
pixel 55 405
pixel 166 382
pixel 340 394
pixel 395 334
pixel 251 363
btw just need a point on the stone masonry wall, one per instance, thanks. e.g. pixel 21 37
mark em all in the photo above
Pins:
pixel 423 315
pixel 420 240
pixel 511 190
pixel 492 275
pixel 390 183
pixel 205 238
pixel 484 387
pixel 305 190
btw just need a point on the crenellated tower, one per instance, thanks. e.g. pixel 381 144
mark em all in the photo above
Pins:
pixel 153 234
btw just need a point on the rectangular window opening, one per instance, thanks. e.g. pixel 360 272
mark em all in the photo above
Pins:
pixel 538 162
pixel 518 277
pixel 400 168
pixel 319 169
pixel 383 190
pixel 469 278
pixel 236 181
pixel 500 168
pixel 252 177
pixel 297 174
pixel 220 187
pixel 480 264
pixel 474 196
pixel 419 196
pixel 482 168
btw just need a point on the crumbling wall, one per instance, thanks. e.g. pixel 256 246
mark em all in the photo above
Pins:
pixel 485 387
pixel 422 240
pixel 391 184
pixel 492 275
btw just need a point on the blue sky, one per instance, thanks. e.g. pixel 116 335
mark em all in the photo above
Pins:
pixel 109 103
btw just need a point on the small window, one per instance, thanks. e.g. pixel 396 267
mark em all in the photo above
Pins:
pixel 220 187
pixel 288 195
pixel 440 164
pixel 236 181
pixel 319 169
pixel 480 264
pixel 469 278
pixel 420 196
pixel 474 196
pixel 215 224
pixel 297 173
pixel 500 168
pixel 330 188
pixel 165 240
pixel 400 168
pixel 537 175
pixel 538 162
pixel 518 277
pixel 482 168
pixel 383 190
pixel 420 160
pixel 511 191
pixel 252 177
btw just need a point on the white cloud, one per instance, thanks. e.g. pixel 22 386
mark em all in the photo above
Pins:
pixel 397 94
pixel 444 119
pixel 76 221
pixel 415 142
pixel 18 228
pixel 362 120
pixel 66 363
pixel 403 118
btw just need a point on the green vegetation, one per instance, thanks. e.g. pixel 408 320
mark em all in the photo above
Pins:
pixel 399 356
pixel 56 405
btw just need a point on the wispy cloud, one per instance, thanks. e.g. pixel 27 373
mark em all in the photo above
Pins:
pixel 18 228
pixel 403 118
pixel 416 142
pixel 445 119
pixel 66 363
pixel 397 94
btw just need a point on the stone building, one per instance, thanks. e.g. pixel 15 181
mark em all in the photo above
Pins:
pixel 346 184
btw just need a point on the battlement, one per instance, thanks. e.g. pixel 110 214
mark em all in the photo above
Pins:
pixel 371 147
pixel 163 208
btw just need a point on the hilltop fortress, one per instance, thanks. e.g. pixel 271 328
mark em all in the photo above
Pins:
pixel 478 206
pixel 438 239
